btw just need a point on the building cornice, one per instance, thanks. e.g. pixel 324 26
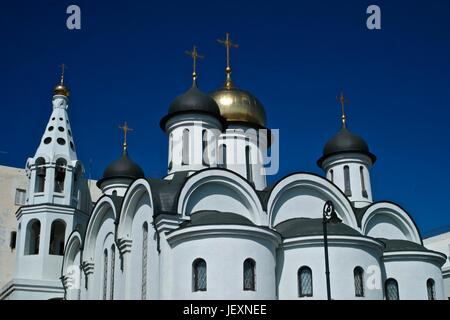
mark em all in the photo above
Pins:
pixel 208 231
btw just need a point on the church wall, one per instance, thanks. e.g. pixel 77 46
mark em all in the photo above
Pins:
pixel 412 275
pixel 309 252
pixel 224 251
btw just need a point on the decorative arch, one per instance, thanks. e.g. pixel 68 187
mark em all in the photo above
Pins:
pixel 138 194
pixel 103 210
pixel 216 189
pixel 388 220
pixel 73 248
pixel 303 195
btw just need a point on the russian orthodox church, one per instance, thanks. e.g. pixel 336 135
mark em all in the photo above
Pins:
pixel 212 228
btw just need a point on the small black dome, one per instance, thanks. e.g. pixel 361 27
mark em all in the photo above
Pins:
pixel 122 168
pixel 192 100
pixel 345 141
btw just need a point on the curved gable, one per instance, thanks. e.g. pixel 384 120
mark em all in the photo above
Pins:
pixel 390 221
pixel 303 195
pixel 216 189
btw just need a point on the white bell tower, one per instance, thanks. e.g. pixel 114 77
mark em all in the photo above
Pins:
pixel 58 201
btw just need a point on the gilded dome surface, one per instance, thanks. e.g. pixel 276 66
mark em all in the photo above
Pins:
pixel 238 105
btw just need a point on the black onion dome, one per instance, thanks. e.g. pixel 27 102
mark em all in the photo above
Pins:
pixel 122 168
pixel 345 142
pixel 192 101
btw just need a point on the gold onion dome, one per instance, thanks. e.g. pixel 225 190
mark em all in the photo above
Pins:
pixel 237 105
pixel 60 89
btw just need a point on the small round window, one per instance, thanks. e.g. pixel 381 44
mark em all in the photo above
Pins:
pixel 61 119
pixel 53 119
pixel 61 129
pixel 71 145
pixel 70 133
pixel 61 141
pixel 50 128
pixel 47 140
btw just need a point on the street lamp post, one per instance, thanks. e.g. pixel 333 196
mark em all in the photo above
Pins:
pixel 329 216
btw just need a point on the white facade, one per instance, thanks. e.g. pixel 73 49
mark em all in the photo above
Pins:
pixel 213 232
pixel 441 243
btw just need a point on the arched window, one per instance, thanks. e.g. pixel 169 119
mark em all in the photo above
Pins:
pixel 391 289
pixel 358 275
pixel 60 175
pixel 33 237
pixel 41 172
pixel 222 156
pixel 431 289
pixel 199 275
pixel 205 157
pixel 249 275
pixel 363 184
pixel 248 164
pixel 170 151
pixel 113 266
pixel 331 175
pixel 348 191
pixel 57 237
pixel 185 151
pixel 305 288
pixel 144 261
pixel 105 274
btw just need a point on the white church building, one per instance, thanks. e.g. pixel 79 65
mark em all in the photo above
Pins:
pixel 213 228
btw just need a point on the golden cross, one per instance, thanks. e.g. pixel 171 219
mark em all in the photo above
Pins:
pixel 341 99
pixel 194 55
pixel 228 44
pixel 63 69
pixel 125 129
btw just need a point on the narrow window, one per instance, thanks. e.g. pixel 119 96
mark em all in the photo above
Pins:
pixel 348 191
pixel 113 266
pixel 185 151
pixel 305 287
pixel 57 234
pixel 41 173
pixel 222 156
pixel 331 175
pixel 144 260
pixel 391 288
pixel 431 289
pixel 20 197
pixel 249 275
pixel 358 275
pixel 60 175
pixel 12 240
pixel 170 151
pixel 199 275
pixel 205 157
pixel 33 237
pixel 363 184
pixel 105 274
pixel 248 164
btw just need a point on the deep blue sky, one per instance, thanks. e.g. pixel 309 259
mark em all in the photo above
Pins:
pixel 128 63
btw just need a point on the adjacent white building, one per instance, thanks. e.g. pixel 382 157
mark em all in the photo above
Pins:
pixel 213 228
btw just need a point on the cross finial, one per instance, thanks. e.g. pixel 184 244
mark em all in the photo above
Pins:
pixel 63 69
pixel 194 55
pixel 342 101
pixel 125 129
pixel 228 44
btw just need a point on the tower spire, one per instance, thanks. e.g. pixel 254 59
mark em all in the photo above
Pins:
pixel 341 99
pixel 60 89
pixel 228 44
pixel 194 55
pixel 125 129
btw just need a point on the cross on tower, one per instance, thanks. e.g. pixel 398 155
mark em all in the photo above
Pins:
pixel 63 69
pixel 125 129
pixel 194 55
pixel 228 44
pixel 341 99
